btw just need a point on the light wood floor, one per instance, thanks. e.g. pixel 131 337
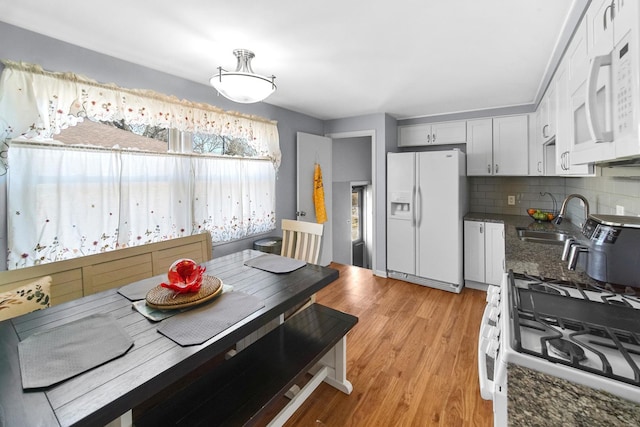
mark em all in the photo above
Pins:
pixel 412 357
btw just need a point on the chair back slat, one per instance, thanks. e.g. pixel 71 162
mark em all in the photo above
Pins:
pixel 301 240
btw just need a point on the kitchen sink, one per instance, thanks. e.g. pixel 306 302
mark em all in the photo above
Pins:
pixel 542 236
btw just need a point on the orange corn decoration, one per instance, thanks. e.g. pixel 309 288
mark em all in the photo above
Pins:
pixel 318 195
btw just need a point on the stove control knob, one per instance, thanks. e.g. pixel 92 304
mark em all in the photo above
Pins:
pixel 493 299
pixel 494 313
pixel 492 348
pixel 491 332
pixel 492 291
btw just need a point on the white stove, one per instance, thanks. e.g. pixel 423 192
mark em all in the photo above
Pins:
pixel 588 335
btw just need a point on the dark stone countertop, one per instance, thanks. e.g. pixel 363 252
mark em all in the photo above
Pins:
pixel 538 259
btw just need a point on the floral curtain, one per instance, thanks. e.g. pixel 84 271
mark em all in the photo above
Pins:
pixel 38 104
pixel 69 202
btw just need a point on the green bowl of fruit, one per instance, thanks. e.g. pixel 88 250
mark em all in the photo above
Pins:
pixel 542 215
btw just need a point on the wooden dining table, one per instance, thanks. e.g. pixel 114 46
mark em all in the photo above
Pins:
pixel 98 396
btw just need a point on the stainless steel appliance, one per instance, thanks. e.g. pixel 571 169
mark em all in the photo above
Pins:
pixel 585 334
pixel 612 250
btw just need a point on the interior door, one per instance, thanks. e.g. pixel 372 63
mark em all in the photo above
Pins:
pixel 312 149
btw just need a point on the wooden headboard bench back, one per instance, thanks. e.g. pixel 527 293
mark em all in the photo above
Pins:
pixel 87 275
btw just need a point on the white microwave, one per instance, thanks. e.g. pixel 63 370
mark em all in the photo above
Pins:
pixel 605 107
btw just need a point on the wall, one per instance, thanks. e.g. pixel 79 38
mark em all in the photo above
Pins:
pixel 352 159
pixel 604 193
pixel 489 194
pixel 21 45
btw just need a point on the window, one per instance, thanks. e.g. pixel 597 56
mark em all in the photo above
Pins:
pixel 66 202
pixel 131 176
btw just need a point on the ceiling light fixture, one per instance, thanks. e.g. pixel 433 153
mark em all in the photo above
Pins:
pixel 243 85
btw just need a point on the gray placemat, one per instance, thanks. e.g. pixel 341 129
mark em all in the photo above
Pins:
pixel 51 356
pixel 275 263
pixel 157 315
pixel 201 323
pixel 138 290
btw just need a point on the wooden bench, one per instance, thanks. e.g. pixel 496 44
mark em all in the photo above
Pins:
pixel 78 277
pixel 240 390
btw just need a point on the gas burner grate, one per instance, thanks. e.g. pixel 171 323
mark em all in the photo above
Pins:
pixel 566 349
pixel 541 287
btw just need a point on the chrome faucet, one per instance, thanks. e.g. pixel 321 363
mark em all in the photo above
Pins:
pixel 563 208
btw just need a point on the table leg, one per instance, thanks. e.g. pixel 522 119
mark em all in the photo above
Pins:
pixel 125 420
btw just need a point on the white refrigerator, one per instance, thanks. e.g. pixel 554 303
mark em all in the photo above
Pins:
pixel 426 203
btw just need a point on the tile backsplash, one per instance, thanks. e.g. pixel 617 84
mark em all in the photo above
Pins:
pixel 490 194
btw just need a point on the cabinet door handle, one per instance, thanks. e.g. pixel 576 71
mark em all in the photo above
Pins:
pixel 489 168
pixel 428 138
pixel 611 9
pixel 434 138
pixel 540 167
pixel 544 131
pixel 496 168
pixel 480 228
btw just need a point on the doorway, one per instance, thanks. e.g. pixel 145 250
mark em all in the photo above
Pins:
pixel 352 200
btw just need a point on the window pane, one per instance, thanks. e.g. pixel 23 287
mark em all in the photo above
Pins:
pixel 355 215
pixel 153 132
pixel 222 145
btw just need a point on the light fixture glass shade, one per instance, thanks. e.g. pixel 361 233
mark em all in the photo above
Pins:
pixel 243 85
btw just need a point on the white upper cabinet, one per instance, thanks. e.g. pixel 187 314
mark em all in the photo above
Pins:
pixel 599 25
pixel 545 123
pixel 432 134
pixel 480 147
pixel 536 148
pixel 498 146
pixel 511 145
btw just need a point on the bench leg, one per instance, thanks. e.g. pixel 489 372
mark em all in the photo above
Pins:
pixel 297 400
pixel 336 361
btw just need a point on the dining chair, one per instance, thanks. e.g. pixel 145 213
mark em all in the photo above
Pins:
pixel 301 240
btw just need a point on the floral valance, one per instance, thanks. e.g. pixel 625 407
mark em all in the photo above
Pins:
pixel 38 104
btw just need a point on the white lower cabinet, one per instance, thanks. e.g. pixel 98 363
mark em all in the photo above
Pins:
pixel 484 252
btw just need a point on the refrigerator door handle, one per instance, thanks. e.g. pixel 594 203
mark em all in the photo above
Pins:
pixel 418 208
pixel 414 197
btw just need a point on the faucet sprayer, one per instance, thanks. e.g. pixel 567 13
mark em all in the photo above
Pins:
pixel 563 208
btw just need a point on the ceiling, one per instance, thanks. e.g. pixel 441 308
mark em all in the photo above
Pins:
pixel 334 58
